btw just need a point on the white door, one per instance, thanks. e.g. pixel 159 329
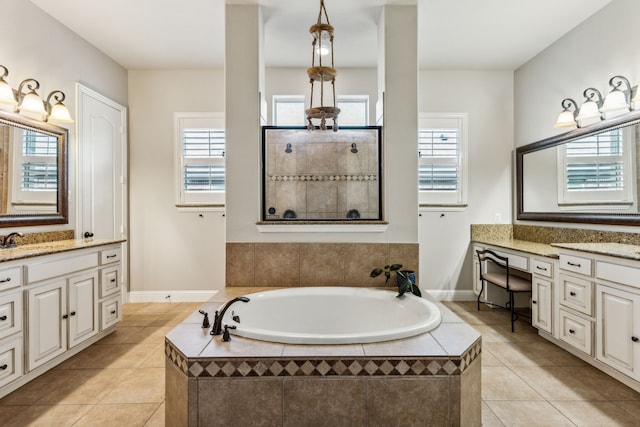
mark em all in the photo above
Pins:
pixel 47 325
pixel 83 310
pixel 102 148
pixel 541 304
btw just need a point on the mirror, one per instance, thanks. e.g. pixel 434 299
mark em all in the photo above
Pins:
pixel 321 175
pixel 586 175
pixel 33 172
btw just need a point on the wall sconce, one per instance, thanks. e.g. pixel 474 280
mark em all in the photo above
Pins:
pixel 6 93
pixel 590 109
pixel 567 118
pixel 322 33
pixel 30 104
pixel 617 102
pixel 58 112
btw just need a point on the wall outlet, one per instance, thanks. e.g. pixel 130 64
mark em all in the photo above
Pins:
pixel 498 218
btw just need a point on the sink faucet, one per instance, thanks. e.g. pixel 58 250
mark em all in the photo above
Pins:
pixel 217 320
pixel 9 241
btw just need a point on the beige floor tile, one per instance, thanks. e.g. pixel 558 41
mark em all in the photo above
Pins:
pixel 49 415
pixel 488 358
pixel 144 385
pixel 500 383
pixel 528 414
pixel 85 386
pixel 110 356
pixel 130 415
pixel 9 413
pixel 33 391
pixel 489 418
pixel 631 406
pixel 597 414
pixel 157 419
pixel 156 359
pixel 538 353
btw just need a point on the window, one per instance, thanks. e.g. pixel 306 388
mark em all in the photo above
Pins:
pixel 35 182
pixel 288 110
pixel 200 152
pixel 442 159
pixel 596 170
pixel 354 110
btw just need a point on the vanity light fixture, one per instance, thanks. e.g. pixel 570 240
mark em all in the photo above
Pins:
pixel 617 102
pixel 590 109
pixel 58 112
pixel 322 33
pixel 567 118
pixel 31 103
pixel 7 98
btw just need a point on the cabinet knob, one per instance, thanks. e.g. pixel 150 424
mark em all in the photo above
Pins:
pixel 65 316
pixel 573 294
pixel 534 302
pixel 3 367
pixel 113 280
pixel 8 279
pixel 571 331
pixel 73 313
pixel 88 235
pixel 3 318
pixel 635 339
pixel 113 312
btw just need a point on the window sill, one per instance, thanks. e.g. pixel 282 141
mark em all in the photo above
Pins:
pixel 449 207
pixel 322 227
pixel 200 208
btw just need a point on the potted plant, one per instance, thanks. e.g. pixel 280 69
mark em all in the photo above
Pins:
pixel 406 278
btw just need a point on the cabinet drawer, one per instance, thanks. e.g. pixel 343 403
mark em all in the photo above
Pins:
pixel 10 314
pixel 624 274
pixel 10 278
pixel 576 331
pixel 109 256
pixel 575 264
pixel 541 268
pixel 110 312
pixel 515 261
pixel 576 293
pixel 110 279
pixel 10 360
pixel 60 267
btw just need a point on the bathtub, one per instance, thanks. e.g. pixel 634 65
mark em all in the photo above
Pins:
pixel 331 315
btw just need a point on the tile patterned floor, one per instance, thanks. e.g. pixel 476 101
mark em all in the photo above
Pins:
pixel 120 380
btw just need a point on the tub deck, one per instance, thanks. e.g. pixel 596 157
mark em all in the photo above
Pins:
pixel 429 379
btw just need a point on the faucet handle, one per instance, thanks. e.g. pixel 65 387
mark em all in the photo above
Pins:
pixel 226 336
pixel 205 320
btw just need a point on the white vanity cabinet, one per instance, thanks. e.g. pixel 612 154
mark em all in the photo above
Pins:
pixel 53 306
pixel 542 287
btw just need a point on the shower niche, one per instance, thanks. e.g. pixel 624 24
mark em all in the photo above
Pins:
pixel 316 176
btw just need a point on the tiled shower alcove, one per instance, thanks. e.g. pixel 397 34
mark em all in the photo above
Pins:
pixel 430 379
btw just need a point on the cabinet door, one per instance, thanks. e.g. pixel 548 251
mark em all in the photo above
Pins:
pixel 541 304
pixel 618 323
pixel 83 310
pixel 47 326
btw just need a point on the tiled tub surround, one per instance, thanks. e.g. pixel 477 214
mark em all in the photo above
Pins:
pixel 314 264
pixel 430 379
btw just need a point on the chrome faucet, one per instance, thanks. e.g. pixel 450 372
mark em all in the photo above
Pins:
pixel 9 241
pixel 217 320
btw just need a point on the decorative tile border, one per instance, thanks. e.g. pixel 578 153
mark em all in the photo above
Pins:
pixel 323 367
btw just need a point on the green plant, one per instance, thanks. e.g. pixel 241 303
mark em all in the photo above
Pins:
pixel 406 281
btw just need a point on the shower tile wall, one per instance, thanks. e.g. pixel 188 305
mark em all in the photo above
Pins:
pixel 314 264
pixel 320 180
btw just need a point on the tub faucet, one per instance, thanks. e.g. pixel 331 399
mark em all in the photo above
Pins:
pixel 217 319
pixel 9 241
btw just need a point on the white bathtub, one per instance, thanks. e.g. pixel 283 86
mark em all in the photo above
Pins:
pixel 331 315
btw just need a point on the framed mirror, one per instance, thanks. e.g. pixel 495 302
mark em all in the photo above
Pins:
pixel 587 175
pixel 33 172
pixel 321 175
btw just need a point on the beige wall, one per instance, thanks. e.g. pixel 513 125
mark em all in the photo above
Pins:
pixel 34 45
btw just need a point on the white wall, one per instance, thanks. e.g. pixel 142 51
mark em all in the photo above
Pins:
pixel 170 249
pixel 34 45
pixel 487 97
pixel 588 56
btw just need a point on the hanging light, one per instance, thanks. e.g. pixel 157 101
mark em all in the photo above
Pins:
pixel 567 118
pixel 322 45
pixel 31 103
pixel 590 109
pixel 617 101
pixel 58 112
pixel 7 98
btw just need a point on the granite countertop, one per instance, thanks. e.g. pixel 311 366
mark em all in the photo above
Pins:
pixel 47 248
pixel 534 248
pixel 619 250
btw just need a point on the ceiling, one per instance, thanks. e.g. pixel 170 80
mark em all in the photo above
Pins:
pixel 453 34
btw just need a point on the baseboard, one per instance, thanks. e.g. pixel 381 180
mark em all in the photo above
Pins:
pixel 452 295
pixel 170 296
